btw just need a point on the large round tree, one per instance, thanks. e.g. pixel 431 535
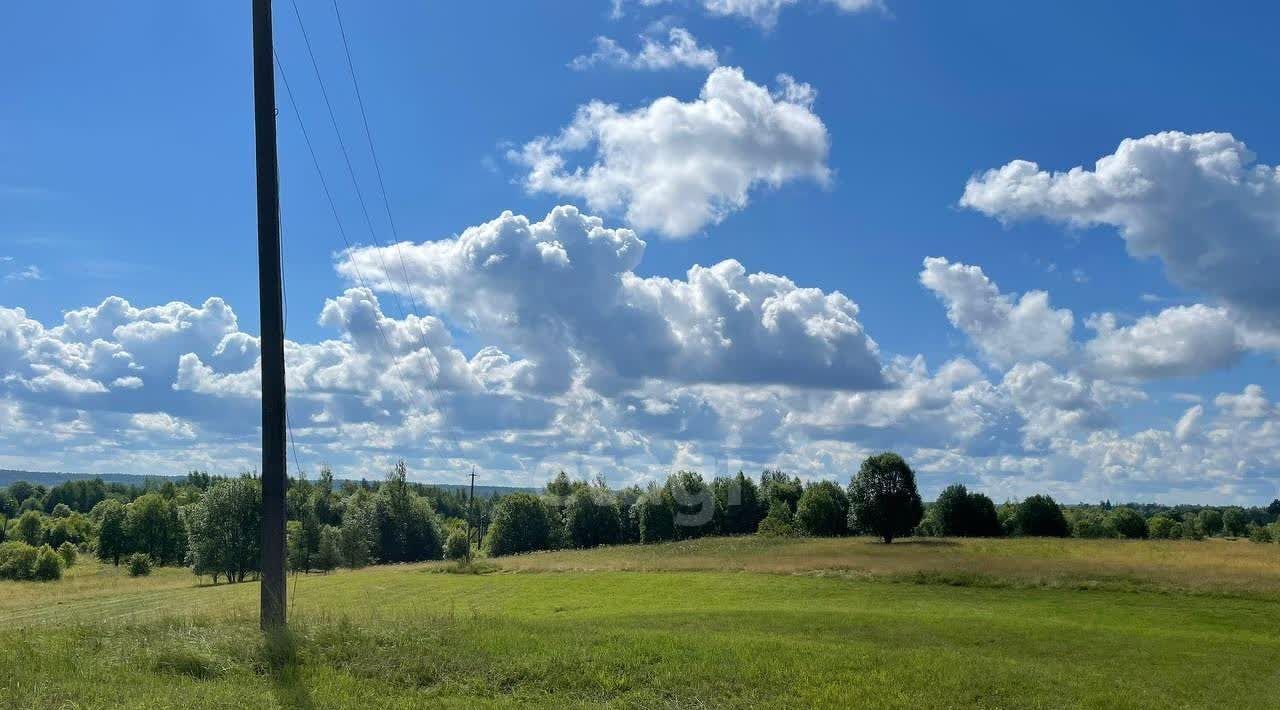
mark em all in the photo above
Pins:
pixel 883 499
pixel 520 524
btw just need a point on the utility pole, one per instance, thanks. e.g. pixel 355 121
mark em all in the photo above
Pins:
pixel 471 504
pixel 272 614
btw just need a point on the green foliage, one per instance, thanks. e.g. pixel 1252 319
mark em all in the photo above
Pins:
pixel 1234 523
pixel 153 528
pixel 776 485
pixel 78 495
pixel 1040 516
pixel 1259 533
pixel 49 565
pixel 520 524
pixel 780 522
pixel 407 529
pixel 8 505
pixel 138 564
pixel 1210 521
pixel 1090 524
pixel 1191 529
pixel 823 510
pixel 883 499
pixel 1128 523
pixel 592 517
pixel 959 513
pixel 457 547
pixel 627 514
pixel 74 528
pixel 68 553
pixel 18 560
pixel 738 498
pixel 224 530
pixel 560 486
pixel 655 515
pixel 329 552
pixel 694 508
pixel 113 540
pixel 60 510
pixel 1161 527
pixel 29 528
pixel 358 533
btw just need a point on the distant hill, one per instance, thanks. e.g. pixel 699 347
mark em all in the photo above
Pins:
pixel 53 478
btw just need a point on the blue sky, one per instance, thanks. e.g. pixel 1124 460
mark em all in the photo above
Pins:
pixel 126 171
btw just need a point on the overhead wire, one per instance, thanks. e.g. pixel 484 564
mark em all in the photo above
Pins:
pixel 333 207
pixel 429 378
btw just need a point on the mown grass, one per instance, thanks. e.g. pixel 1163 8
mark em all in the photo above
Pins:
pixel 723 634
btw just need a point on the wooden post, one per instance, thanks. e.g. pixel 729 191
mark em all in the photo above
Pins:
pixel 274 478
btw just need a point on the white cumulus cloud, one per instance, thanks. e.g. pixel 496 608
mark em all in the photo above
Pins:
pixel 1178 341
pixel 1005 329
pixel 1197 202
pixel 580 304
pixel 674 167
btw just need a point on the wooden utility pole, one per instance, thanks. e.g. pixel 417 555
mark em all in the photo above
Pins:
pixel 272 322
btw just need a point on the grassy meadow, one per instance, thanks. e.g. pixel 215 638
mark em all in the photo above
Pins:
pixel 716 622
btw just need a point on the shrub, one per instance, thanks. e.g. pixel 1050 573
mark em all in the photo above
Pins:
pixel 520 524
pixel 17 560
pixel 1161 527
pixel 959 513
pixel 1234 523
pixel 1259 533
pixel 780 522
pixel 823 510
pixel 138 564
pixel 592 517
pixel 1191 529
pixel 1090 525
pixel 457 547
pixel 1128 523
pixel 29 528
pixel 1040 516
pixel 48 565
pixel 883 499
pixel 1210 521
pixel 68 553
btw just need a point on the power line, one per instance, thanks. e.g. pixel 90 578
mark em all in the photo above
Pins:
pixel 428 377
pixel 377 164
pixel 346 156
pixel 306 137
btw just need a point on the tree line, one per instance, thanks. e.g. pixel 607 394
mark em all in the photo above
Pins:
pixel 212 524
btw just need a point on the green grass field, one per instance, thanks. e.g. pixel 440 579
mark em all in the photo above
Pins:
pixel 743 622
